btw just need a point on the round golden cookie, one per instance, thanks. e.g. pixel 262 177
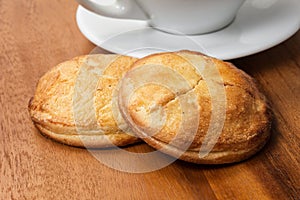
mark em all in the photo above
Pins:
pixel 176 119
pixel 73 102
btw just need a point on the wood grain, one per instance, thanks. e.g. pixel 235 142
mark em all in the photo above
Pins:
pixel 36 35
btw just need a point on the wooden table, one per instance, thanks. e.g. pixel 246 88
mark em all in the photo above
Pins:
pixel 36 35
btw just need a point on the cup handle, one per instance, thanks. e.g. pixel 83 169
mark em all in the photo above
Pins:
pixel 124 9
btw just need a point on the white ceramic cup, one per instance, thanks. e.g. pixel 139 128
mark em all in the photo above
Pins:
pixel 174 16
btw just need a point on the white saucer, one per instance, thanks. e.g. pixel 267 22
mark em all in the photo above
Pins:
pixel 259 25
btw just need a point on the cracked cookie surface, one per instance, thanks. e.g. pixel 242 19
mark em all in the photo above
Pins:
pixel 247 121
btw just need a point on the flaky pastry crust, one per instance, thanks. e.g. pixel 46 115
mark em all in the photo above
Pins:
pixel 73 102
pixel 248 117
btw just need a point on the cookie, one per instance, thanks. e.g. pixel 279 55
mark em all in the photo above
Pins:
pixel 73 103
pixel 195 107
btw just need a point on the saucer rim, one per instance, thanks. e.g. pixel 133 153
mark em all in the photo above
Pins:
pixel 143 24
